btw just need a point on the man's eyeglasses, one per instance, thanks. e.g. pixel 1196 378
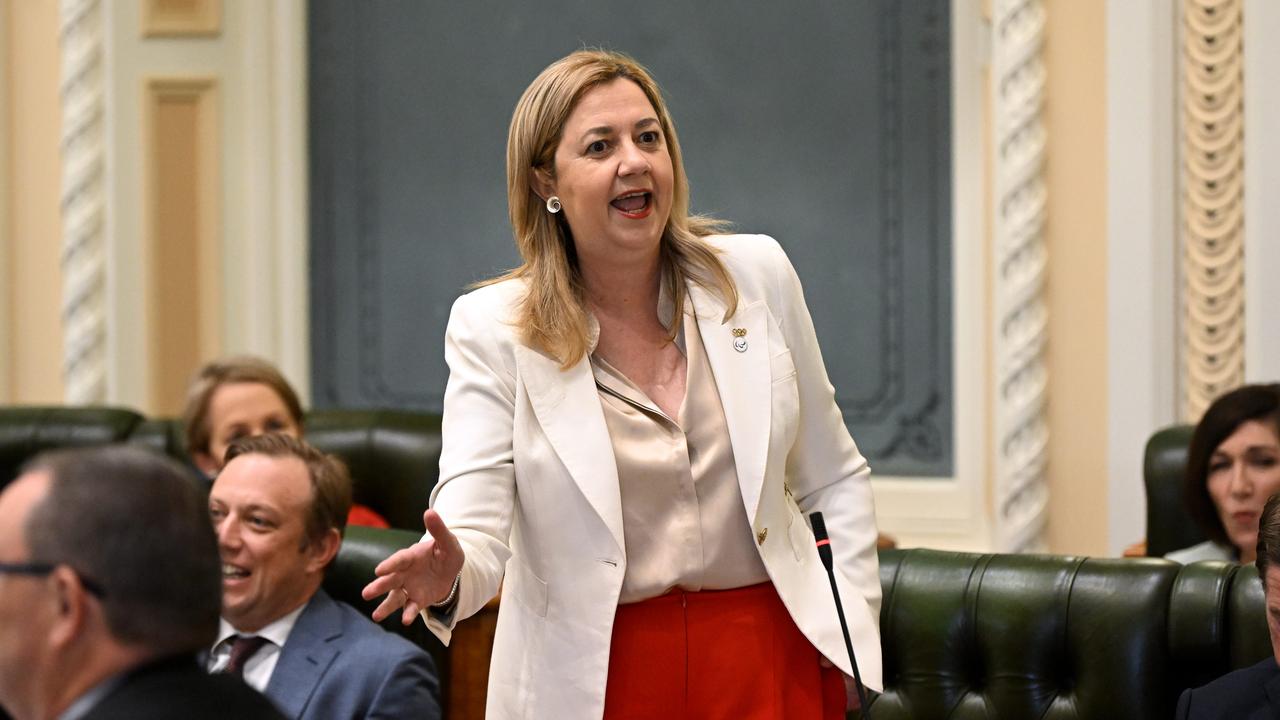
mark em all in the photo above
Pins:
pixel 38 569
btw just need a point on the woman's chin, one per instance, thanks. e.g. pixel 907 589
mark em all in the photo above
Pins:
pixel 1246 543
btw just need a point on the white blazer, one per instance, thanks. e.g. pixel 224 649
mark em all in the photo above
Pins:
pixel 529 484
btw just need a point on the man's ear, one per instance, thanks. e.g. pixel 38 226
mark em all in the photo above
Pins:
pixel 324 550
pixel 70 599
pixel 543 184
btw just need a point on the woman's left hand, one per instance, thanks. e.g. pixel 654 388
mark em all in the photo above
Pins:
pixel 419 575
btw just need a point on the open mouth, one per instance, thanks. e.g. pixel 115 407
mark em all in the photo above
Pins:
pixel 634 204
pixel 233 572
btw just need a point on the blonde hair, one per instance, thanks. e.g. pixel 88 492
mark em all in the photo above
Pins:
pixel 237 369
pixel 552 316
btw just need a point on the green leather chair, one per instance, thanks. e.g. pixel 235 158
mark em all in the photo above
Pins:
pixel 1169 525
pixel 27 431
pixel 1016 637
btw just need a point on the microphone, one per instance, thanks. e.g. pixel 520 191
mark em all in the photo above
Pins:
pixel 824 552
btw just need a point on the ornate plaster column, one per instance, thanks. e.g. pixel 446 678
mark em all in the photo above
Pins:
pixel 1212 202
pixel 83 202
pixel 1019 257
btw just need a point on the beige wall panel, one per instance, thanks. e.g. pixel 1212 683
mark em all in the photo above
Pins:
pixel 1077 292
pixel 1262 177
pixel 182 212
pixel 181 18
pixel 34 228
pixel 6 262
pixel 1142 228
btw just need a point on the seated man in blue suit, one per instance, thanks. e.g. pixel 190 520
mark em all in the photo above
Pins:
pixel 1252 693
pixel 279 507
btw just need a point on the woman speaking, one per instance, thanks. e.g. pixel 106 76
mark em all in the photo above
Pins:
pixel 636 423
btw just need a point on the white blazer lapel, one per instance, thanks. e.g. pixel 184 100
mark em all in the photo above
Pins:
pixel 567 406
pixel 742 379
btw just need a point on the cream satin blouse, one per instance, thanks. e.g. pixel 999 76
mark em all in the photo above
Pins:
pixel 684 523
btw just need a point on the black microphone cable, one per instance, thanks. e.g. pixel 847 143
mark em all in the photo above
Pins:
pixel 824 552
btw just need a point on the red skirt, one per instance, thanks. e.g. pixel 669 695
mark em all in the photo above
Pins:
pixel 717 654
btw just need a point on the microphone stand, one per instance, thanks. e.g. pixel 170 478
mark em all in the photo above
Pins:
pixel 824 552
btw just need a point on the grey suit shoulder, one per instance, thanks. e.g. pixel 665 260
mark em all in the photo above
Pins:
pixel 338 664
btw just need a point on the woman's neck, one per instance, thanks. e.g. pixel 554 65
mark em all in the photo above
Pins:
pixel 623 290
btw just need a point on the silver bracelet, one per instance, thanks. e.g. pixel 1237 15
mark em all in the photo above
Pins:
pixel 453 594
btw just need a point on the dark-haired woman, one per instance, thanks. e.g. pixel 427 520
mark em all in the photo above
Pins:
pixel 1233 466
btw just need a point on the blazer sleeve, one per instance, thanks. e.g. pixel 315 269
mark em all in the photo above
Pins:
pixel 825 470
pixel 476 492
pixel 410 690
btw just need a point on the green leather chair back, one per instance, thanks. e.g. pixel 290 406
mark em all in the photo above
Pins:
pixel 393 455
pixel 27 431
pixel 1016 637
pixel 1169 525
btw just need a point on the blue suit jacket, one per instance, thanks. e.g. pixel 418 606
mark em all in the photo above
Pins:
pixel 338 664
pixel 1252 693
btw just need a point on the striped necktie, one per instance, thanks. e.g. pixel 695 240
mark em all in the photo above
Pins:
pixel 243 648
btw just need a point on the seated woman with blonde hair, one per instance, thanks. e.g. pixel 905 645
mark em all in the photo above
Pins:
pixel 245 396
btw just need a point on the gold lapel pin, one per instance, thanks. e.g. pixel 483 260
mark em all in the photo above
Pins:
pixel 740 339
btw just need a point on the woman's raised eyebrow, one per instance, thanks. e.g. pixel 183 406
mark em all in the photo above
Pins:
pixel 607 130
pixel 600 130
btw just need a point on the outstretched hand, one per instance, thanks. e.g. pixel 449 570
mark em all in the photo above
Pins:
pixel 419 575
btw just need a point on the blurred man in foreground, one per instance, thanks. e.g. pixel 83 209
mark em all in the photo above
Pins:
pixel 109 586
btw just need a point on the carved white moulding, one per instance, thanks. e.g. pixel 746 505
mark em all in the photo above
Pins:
pixel 1212 202
pixel 1020 259
pixel 83 202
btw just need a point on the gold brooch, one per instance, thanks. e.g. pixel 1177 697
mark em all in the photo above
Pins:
pixel 739 332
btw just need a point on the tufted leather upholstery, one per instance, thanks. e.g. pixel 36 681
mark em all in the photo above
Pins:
pixel 970 636
pixel 1169 525
pixel 27 431
pixel 362 549
pixel 393 455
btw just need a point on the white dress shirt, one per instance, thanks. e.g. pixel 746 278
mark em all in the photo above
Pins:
pixel 258 668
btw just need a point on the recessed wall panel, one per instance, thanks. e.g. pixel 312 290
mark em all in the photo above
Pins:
pixel 825 125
